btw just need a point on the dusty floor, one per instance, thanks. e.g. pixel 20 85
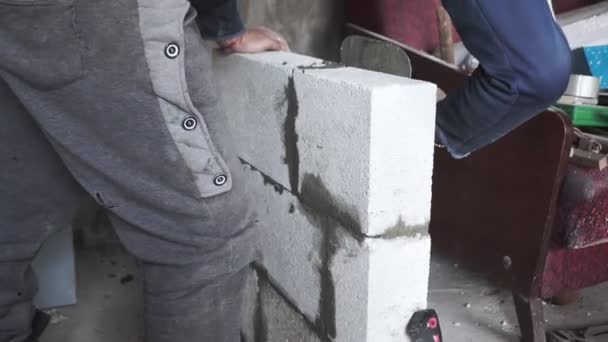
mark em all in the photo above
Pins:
pixel 110 301
pixel 469 308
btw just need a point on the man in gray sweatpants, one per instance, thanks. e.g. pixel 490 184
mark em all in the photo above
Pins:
pixel 115 98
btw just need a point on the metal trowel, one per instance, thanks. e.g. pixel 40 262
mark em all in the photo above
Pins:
pixel 375 55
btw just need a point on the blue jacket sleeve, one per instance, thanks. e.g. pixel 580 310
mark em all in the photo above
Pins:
pixel 218 19
pixel 525 68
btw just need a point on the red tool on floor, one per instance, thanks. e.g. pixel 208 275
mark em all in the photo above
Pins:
pixel 424 327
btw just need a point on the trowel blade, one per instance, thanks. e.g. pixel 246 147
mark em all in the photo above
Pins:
pixel 375 55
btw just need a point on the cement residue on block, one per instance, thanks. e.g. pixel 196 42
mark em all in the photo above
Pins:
pixel 338 282
pixel 289 248
pixel 256 96
pixel 367 136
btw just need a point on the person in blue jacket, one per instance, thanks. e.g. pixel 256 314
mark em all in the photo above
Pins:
pixel 525 64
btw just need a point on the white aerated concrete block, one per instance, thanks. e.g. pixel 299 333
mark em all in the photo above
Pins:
pixel 365 289
pixel 404 261
pixel 368 137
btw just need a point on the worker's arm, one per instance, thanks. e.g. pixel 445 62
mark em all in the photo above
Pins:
pixel 219 20
pixel 524 68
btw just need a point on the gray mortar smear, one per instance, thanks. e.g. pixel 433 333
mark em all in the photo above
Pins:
pixel 315 195
pixel 329 245
pixel 290 136
pixel 401 229
pixel 268 181
pixel 321 66
pixel 322 210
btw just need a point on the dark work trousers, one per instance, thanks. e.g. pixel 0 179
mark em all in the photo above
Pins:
pixel 524 68
pixel 115 99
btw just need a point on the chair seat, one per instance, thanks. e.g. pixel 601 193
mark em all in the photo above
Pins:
pixel 582 216
pixel 573 269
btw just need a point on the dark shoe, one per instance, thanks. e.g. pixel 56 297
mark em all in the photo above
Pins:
pixel 565 298
pixel 39 323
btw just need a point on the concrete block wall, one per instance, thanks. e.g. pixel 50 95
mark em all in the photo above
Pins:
pixel 340 161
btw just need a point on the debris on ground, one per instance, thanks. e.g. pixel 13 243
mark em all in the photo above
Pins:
pixel 56 316
pixel 126 279
pixel 490 292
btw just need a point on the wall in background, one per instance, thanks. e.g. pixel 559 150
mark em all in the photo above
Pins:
pixel 312 27
pixel 414 22
pixel 316 27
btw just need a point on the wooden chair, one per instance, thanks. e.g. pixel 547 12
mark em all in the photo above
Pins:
pixel 495 211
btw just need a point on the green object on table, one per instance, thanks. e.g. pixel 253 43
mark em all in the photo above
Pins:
pixel 586 115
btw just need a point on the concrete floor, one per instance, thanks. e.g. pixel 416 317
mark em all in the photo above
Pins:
pixel 109 302
pixel 470 309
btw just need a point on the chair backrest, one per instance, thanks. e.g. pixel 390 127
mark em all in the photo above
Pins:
pixel 494 210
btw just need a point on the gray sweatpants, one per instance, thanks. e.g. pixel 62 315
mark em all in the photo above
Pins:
pixel 115 98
